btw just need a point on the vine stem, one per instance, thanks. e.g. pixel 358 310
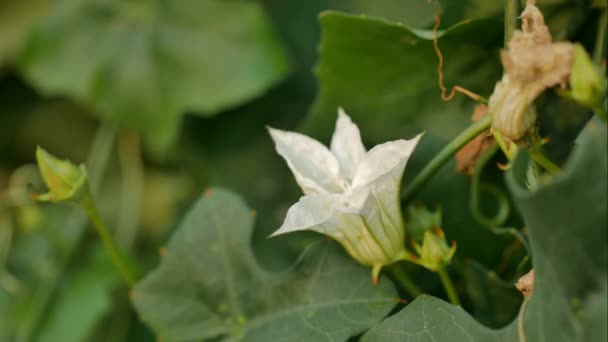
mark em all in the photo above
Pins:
pixel 598 52
pixel 97 163
pixel 521 332
pixel 132 171
pixel 404 280
pixel 477 188
pixel 512 10
pixel 449 287
pixel 117 257
pixel 444 155
pixel 542 160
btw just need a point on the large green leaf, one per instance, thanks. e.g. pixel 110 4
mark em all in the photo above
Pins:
pixel 16 18
pixel 144 63
pixel 209 285
pixel 385 75
pixel 568 235
pixel 81 303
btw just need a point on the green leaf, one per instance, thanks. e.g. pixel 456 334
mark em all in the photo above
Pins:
pixel 568 233
pixel 495 302
pixel 563 17
pixel 209 285
pixel 16 18
pixel 385 75
pixel 82 302
pixel 144 63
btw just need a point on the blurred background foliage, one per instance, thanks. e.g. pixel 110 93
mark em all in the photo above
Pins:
pixel 163 99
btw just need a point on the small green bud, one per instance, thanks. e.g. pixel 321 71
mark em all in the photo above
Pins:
pixel 434 253
pixel 587 83
pixel 66 181
pixel 428 239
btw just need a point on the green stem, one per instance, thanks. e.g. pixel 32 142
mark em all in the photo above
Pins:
pixel 117 257
pixel 521 319
pixel 449 287
pixel 42 296
pixel 404 280
pixel 510 151
pixel 511 13
pixel 477 189
pixel 542 160
pixel 598 55
pixel 132 172
pixel 598 52
pixel 445 154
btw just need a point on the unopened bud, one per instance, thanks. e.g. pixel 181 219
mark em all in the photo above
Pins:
pixel 587 83
pixel 65 181
pixel 434 253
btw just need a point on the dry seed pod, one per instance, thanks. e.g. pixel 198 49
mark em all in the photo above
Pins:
pixel 532 64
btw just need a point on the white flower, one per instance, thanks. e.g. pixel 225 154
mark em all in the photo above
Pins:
pixel 350 194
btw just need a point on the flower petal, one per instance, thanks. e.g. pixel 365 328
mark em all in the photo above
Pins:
pixel 346 145
pixel 388 158
pixel 366 239
pixel 310 212
pixel 382 214
pixel 352 231
pixel 315 168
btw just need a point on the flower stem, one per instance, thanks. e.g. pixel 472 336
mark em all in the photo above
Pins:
pixel 511 13
pixel 132 172
pixel 117 257
pixel 509 150
pixel 445 154
pixel 541 159
pixel 521 333
pixel 449 287
pixel 404 280
pixel 43 293
pixel 477 188
pixel 598 52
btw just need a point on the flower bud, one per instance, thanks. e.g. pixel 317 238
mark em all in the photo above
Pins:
pixel 424 226
pixel 435 253
pixel 65 181
pixel 587 83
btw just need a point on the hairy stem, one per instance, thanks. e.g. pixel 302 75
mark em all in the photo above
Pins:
pixel 444 155
pixel 448 286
